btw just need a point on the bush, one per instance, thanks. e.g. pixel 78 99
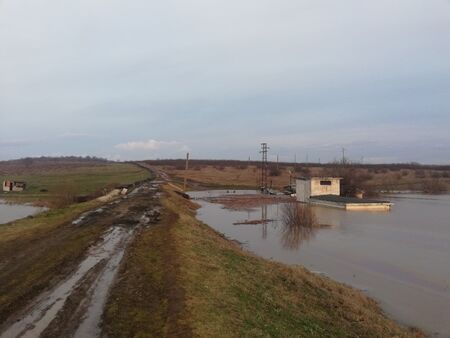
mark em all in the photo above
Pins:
pixel 304 171
pixel 274 172
pixel 299 215
pixel 299 223
pixel 420 173
pixel 436 174
pixel 65 195
pixel 434 186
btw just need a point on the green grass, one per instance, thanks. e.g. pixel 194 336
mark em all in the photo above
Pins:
pixel 138 305
pixel 47 185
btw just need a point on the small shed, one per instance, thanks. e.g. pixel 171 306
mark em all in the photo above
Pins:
pixel 326 191
pixel 317 186
pixel 14 185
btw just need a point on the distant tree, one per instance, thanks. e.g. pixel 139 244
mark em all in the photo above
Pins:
pixel 27 162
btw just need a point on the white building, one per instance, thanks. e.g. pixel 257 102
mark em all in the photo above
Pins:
pixel 317 186
pixel 326 191
pixel 13 186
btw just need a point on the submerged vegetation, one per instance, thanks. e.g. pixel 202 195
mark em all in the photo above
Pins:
pixel 299 223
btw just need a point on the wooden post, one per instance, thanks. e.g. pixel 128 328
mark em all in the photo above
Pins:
pixel 185 171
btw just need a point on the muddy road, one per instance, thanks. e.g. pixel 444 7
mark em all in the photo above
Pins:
pixel 74 305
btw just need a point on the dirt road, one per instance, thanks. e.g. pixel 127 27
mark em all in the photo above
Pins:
pixel 74 306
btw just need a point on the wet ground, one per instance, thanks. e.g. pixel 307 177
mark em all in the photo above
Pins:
pixel 12 212
pixel 400 258
pixel 74 306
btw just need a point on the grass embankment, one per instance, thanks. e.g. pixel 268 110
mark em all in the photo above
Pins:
pixel 48 187
pixel 182 277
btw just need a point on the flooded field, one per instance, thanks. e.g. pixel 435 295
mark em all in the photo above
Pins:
pixel 400 258
pixel 11 212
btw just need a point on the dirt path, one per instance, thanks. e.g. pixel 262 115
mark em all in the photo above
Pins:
pixel 74 306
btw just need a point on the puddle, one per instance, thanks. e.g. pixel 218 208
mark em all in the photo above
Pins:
pixel 400 258
pixel 89 326
pixel 12 212
pixel 47 306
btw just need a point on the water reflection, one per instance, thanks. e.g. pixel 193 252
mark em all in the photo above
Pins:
pixel 299 224
pixel 264 220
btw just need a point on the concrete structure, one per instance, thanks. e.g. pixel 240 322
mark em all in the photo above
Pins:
pixel 351 203
pixel 326 191
pixel 13 186
pixel 317 186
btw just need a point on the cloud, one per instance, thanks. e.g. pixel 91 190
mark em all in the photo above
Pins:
pixel 296 74
pixel 152 145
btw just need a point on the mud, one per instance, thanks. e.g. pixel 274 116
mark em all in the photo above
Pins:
pixel 74 306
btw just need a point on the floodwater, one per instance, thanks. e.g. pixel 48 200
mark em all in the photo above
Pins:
pixel 401 258
pixel 11 212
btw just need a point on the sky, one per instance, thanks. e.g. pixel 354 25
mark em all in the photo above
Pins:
pixel 144 79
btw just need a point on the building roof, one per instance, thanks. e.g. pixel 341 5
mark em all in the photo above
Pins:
pixel 352 200
pixel 324 178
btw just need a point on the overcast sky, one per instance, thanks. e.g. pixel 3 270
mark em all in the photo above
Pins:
pixel 142 79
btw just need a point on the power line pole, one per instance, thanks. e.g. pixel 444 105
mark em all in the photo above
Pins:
pixel 185 171
pixel 264 167
pixel 343 155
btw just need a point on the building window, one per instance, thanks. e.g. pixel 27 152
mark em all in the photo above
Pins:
pixel 325 182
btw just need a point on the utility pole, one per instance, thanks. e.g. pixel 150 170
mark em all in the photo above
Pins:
pixel 264 167
pixel 277 162
pixel 343 155
pixel 185 171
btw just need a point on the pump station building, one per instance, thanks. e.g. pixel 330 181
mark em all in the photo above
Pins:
pixel 326 191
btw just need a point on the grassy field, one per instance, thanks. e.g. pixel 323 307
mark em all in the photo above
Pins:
pixel 49 186
pixel 369 178
pixel 196 283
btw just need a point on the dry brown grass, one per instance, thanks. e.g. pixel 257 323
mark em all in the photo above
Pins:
pixel 228 176
pixel 373 179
